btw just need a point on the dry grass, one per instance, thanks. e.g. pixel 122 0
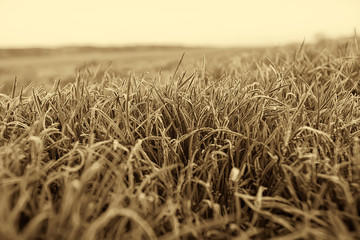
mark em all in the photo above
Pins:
pixel 255 149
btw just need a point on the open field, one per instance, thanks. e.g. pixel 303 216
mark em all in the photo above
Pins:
pixel 44 66
pixel 240 146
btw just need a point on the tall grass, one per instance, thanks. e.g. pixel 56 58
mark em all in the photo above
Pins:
pixel 262 147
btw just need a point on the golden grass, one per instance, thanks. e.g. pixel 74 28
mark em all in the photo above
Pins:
pixel 261 148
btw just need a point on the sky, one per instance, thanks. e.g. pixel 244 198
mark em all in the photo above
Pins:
pixel 53 23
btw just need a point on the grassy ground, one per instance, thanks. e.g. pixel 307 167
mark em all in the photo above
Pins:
pixel 44 66
pixel 260 147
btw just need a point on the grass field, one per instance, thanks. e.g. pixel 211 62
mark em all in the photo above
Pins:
pixel 256 146
pixel 41 67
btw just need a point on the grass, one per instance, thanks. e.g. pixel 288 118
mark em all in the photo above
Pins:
pixel 263 147
pixel 46 65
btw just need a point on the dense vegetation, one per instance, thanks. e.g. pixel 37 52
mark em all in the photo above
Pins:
pixel 257 147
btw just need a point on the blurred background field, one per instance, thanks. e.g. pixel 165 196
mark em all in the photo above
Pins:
pixel 43 66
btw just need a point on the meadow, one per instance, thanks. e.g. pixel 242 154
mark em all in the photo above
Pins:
pixel 262 145
pixel 40 67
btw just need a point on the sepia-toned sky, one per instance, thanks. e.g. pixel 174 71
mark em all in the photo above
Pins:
pixel 36 23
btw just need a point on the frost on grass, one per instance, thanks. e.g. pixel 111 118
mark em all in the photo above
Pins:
pixel 269 148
